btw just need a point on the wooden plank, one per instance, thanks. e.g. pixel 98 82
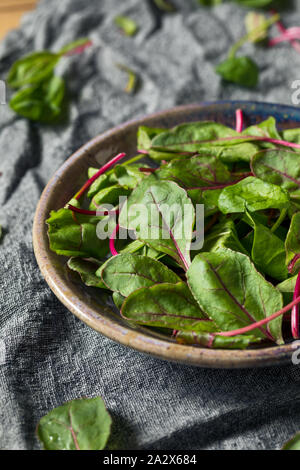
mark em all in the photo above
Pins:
pixel 11 12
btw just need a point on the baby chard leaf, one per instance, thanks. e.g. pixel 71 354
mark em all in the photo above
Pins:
pixel 42 102
pixel 292 245
pixel 256 26
pixel 223 235
pixel 196 172
pixel 268 251
pixel 167 306
pixel 163 216
pixel 87 268
pixel 240 70
pixel 127 272
pixel 32 69
pixel 252 194
pixel 233 293
pixel 127 25
pixel 82 424
pixel 75 235
pixel 215 342
pixel 281 167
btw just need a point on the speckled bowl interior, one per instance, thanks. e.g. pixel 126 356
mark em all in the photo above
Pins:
pixel 93 306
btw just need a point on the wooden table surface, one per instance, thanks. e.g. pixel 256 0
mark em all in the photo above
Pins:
pixel 11 12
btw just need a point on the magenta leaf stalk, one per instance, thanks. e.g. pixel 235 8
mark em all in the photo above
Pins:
pixel 79 49
pixel 260 323
pixel 282 30
pixel 92 213
pixel 293 263
pixel 295 311
pixel 239 120
pixel 112 241
pixel 102 170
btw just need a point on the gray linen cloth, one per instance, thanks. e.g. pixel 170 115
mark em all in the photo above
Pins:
pixel 47 356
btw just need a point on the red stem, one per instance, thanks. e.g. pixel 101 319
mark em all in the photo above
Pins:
pixel 112 241
pixel 295 311
pixel 87 212
pixel 239 120
pixel 102 170
pixel 79 49
pixel 282 30
pixel 260 323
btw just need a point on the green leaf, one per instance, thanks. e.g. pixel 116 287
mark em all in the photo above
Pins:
pixel 291 135
pixel 254 3
pixel 32 69
pixel 265 128
pixel 75 236
pixel 209 3
pixel 129 176
pixel 109 195
pixel 87 268
pixel 74 45
pixel 268 251
pixel 252 194
pixel 82 424
pixel 103 181
pixel 128 26
pixel 281 167
pixel 127 272
pixel 145 135
pixel 292 244
pixel 165 5
pixel 233 294
pixel 118 299
pixel 240 70
pixel 195 172
pixel 132 82
pixel 167 306
pixel 218 342
pixel 222 236
pixel 293 444
pixel 253 21
pixel 42 102
pixel 287 288
pixel 157 220
pixel 190 137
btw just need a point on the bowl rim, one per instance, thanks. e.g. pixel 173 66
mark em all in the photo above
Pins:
pixel 138 340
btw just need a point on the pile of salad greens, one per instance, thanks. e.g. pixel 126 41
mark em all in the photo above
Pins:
pixel 238 289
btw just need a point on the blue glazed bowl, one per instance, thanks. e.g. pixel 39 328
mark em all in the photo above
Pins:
pixel 93 306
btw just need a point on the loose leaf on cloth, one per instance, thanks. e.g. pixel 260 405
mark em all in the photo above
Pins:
pixel 281 167
pixel 42 102
pixel 292 245
pixel 87 268
pixel 82 424
pixel 127 25
pixel 163 216
pixel 127 272
pixel 293 444
pixel 233 293
pixel 196 172
pixel 168 306
pixel 75 235
pixel 252 194
pixel 240 70
pixel 32 69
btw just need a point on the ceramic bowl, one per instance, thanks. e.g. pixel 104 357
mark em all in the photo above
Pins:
pixel 94 307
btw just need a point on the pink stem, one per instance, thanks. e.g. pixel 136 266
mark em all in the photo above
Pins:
pixel 295 311
pixel 287 36
pixel 112 241
pixel 102 170
pixel 239 120
pixel 284 143
pixel 292 264
pixel 260 323
pixel 282 30
pixel 79 49
pixel 87 212
pixel 144 152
